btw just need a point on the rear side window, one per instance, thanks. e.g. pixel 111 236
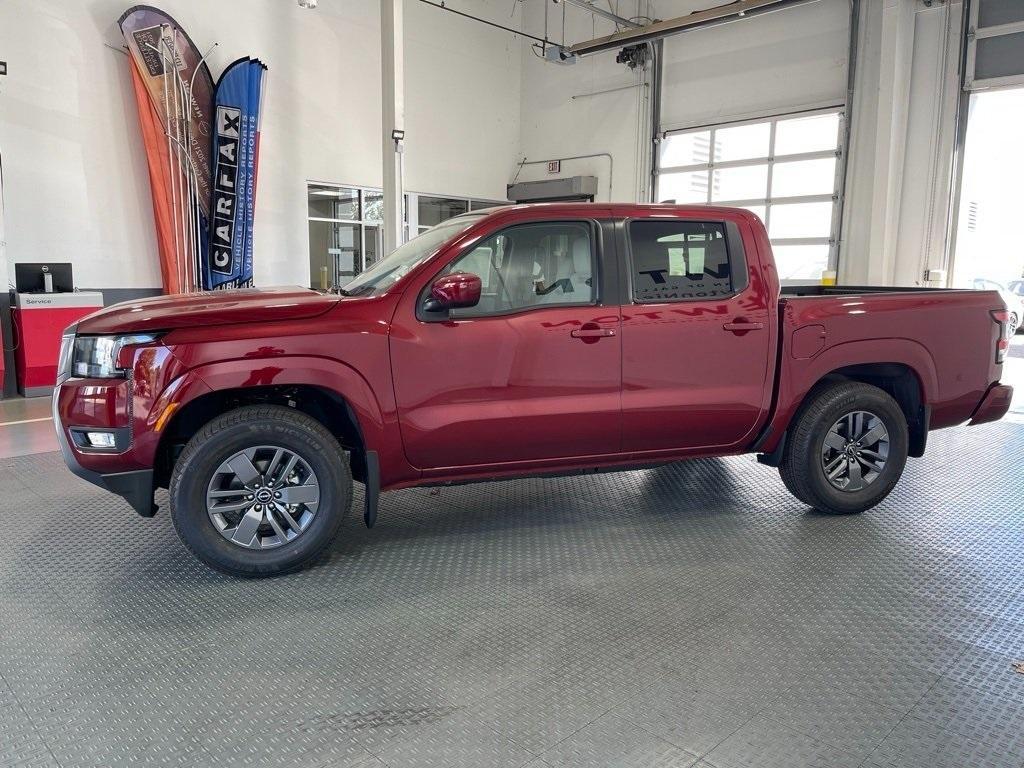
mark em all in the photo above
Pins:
pixel 675 260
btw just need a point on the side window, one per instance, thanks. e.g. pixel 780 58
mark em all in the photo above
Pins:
pixel 675 260
pixel 531 265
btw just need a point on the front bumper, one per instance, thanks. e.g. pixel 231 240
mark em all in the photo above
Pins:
pixel 994 404
pixel 135 487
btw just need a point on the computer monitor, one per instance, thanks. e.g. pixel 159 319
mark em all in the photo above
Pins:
pixel 28 278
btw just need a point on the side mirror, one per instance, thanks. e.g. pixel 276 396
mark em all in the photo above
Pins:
pixel 453 292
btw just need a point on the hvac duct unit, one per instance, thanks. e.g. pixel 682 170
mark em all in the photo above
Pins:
pixel 582 188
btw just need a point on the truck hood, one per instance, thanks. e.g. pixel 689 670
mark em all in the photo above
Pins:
pixel 245 305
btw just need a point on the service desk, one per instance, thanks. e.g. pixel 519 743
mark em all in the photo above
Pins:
pixel 39 321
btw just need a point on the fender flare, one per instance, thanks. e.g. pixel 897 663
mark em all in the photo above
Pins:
pixel 798 378
pixel 286 370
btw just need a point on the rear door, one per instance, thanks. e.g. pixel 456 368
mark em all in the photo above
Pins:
pixel 696 339
pixel 531 373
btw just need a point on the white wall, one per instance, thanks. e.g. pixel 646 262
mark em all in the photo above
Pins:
pixel 780 62
pixel 478 100
pixel 560 117
pixel 898 191
pixel 903 116
pixel 76 186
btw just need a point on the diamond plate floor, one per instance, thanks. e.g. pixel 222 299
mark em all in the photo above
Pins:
pixel 693 614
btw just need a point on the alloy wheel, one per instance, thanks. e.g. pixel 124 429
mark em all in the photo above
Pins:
pixel 855 451
pixel 263 497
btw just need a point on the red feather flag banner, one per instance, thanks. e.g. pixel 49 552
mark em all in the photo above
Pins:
pixel 185 122
pixel 160 173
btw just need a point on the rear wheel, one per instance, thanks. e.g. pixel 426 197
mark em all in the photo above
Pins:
pixel 847 448
pixel 259 491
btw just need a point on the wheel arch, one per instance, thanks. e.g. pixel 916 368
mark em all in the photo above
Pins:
pixel 332 393
pixel 901 382
pixel 902 367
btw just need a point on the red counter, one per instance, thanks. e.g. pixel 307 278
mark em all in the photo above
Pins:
pixel 39 320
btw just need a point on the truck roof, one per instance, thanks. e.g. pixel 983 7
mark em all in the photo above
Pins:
pixel 616 209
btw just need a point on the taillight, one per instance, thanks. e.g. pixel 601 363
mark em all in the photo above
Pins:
pixel 1002 319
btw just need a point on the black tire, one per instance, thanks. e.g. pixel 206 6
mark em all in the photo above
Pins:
pixel 238 430
pixel 802 467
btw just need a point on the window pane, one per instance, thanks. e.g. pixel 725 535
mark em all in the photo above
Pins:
pixel 801 220
pixel 531 265
pixel 334 251
pixel 373 206
pixel 992 13
pixel 807 134
pixel 689 187
pixel 801 262
pixel 434 210
pixel 999 56
pixel 744 183
pixel 333 202
pixel 804 177
pixel 685 149
pixel 675 260
pixel 480 205
pixel 742 142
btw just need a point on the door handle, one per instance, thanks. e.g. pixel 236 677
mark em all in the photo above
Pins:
pixel 742 326
pixel 591 333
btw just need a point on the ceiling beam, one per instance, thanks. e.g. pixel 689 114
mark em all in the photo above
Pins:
pixel 710 17
pixel 587 5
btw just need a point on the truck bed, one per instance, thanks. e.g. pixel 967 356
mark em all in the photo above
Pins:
pixel 941 340
pixel 859 290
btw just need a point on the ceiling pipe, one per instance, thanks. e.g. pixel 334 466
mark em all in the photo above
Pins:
pixel 710 17
pixel 587 5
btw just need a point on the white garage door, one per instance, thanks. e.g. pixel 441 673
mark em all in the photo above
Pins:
pixel 752 116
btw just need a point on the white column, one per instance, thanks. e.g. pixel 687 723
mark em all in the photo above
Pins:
pixel 393 122
pixel 877 142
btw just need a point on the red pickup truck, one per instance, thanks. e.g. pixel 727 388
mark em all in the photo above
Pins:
pixel 523 340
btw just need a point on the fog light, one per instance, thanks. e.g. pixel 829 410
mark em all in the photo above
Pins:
pixel 100 439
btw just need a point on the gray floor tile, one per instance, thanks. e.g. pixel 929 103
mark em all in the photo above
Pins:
pixel 842 720
pixel 764 743
pixel 684 714
pixel 917 744
pixel 612 742
pixel 20 743
pixel 485 624
pixel 459 740
pixel 991 672
pixel 973 713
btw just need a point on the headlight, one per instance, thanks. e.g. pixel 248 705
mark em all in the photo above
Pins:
pixel 95 357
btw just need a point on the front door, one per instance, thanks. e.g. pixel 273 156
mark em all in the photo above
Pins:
pixel 697 339
pixel 533 372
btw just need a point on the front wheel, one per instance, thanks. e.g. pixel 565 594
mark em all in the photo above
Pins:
pixel 260 491
pixel 846 450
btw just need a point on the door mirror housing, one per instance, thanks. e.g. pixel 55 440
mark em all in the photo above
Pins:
pixel 456 291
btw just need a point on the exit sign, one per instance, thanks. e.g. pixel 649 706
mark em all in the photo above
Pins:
pixel 554 166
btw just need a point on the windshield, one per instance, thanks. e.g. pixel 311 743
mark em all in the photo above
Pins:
pixel 390 270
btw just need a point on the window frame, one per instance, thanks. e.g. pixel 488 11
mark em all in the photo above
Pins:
pixel 596 260
pixel 975 33
pixel 739 267
pixel 835 198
